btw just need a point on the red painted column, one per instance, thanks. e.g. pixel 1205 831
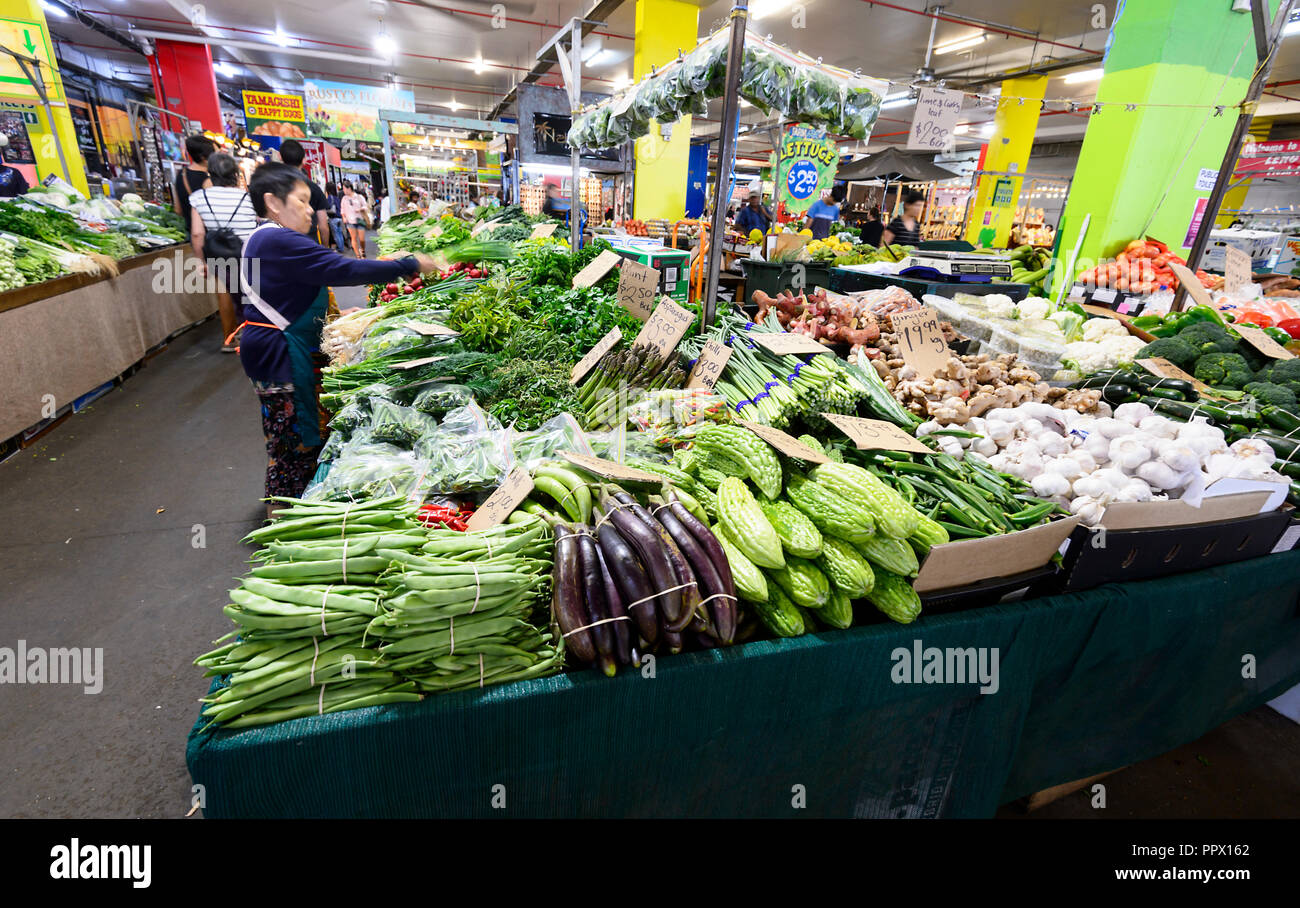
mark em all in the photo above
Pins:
pixel 184 82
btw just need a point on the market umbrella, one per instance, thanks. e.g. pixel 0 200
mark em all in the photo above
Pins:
pixel 892 166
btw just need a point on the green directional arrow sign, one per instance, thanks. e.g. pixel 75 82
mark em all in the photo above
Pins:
pixel 28 43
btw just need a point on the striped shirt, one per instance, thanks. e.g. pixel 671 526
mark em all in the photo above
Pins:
pixel 229 206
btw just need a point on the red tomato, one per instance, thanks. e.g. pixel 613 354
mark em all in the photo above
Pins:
pixel 1291 326
pixel 1256 318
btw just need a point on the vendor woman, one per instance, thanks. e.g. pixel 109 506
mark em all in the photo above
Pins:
pixel 285 277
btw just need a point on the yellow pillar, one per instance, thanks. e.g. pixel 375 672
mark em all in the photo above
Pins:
pixel 664 28
pixel 23 29
pixel 994 210
pixel 1235 198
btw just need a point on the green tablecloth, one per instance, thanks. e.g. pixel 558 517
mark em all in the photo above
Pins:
pixel 1088 682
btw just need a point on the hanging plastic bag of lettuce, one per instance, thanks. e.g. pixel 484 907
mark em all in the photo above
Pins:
pixel 862 99
pixel 817 98
pixel 766 80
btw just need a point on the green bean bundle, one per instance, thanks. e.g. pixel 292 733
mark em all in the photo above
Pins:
pixel 468 611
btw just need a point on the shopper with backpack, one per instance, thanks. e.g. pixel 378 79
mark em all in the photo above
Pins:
pixel 222 218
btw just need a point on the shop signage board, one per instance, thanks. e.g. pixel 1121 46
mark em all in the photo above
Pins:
pixel 937 111
pixel 339 110
pixel 29 38
pixel 1273 159
pixel 1198 214
pixel 806 165
pixel 1205 179
pixel 268 113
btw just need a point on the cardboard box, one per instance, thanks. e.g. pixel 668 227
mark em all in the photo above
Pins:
pixel 1258 244
pixel 954 565
pixel 1238 520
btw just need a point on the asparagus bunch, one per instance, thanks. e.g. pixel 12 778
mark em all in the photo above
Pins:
pixel 604 396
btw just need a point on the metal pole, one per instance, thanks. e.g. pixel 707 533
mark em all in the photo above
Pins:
pixel 726 156
pixel 575 96
pixel 1264 50
pixel 386 132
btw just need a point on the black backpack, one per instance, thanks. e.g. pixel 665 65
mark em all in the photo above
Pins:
pixel 223 243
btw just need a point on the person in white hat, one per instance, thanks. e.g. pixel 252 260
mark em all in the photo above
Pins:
pixel 12 181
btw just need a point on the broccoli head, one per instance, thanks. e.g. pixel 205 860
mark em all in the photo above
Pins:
pixel 1224 370
pixel 1271 395
pixel 1178 351
pixel 1280 372
pixel 1209 338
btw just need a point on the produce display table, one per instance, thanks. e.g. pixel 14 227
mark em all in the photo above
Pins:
pixel 68 336
pixel 1087 682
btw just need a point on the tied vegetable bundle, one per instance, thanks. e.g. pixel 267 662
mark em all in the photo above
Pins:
pixel 468 610
pixel 617 379
pixel 302 615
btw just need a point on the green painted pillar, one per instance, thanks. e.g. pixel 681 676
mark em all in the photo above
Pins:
pixel 1138 168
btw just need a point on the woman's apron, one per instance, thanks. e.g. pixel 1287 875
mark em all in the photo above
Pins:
pixel 302 335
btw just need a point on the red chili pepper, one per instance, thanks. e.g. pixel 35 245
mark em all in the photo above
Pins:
pixel 1256 318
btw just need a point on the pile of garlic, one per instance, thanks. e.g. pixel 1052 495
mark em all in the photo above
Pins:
pixel 1085 462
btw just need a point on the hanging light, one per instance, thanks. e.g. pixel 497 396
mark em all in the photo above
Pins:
pixel 951 47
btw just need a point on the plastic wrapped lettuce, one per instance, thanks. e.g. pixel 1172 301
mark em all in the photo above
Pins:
pixel 766 80
pixel 862 99
pixel 816 97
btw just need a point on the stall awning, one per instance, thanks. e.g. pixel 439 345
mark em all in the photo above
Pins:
pixel 894 165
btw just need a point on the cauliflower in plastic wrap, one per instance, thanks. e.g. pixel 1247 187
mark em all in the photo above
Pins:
pixel 999 305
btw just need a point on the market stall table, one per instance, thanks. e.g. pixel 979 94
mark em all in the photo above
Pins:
pixel 1085 683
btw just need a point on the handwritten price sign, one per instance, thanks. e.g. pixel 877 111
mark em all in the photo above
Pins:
pixel 786 443
pixel 666 328
pixel 588 362
pixel 786 344
pixel 609 469
pixel 598 268
pixel 935 120
pixel 1262 342
pixel 708 368
pixel 1236 270
pixel 637 286
pixel 503 501
pixel 875 434
pixel 541 231
pixel 921 340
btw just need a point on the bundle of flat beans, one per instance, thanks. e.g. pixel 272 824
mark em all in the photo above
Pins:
pixel 470 609
pixel 300 646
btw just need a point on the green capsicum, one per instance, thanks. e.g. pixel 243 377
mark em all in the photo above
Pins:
pixel 1278 335
pixel 1147 322
pixel 1203 314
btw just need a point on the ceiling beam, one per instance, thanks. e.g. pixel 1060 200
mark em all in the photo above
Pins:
pixel 596 15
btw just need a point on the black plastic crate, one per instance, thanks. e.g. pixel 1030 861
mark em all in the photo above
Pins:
pixel 1039 581
pixel 845 281
pixel 1152 552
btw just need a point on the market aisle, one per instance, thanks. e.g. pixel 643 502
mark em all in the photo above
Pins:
pixel 89 560
pixel 346 297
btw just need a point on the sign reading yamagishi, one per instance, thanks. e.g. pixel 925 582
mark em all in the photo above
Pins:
pixel 805 166
pixel 269 114
pixel 338 110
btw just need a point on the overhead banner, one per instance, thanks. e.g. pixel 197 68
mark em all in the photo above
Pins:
pixel 805 166
pixel 1270 159
pixel 269 114
pixel 337 110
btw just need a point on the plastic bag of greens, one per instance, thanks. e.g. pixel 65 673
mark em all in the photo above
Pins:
pixel 367 395
pixel 645 100
pixel 862 98
pixel 398 425
pixel 817 97
pixel 558 434
pixel 625 118
pixel 438 398
pixel 704 70
pixel 579 130
pixel 332 448
pixel 369 475
pixel 347 420
pixel 766 80
pixel 619 445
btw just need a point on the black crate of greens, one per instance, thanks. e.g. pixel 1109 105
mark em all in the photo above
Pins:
pixel 844 280
pixel 1150 552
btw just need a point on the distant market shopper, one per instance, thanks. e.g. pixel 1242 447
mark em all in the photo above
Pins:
pixel 12 181
pixel 356 218
pixel 906 228
pixel 285 278
pixel 292 153
pixel 822 215
pixel 193 178
pixel 753 216
pixel 222 220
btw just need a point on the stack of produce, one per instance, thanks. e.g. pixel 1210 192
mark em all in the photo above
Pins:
pixel 619 377
pixel 10 276
pixel 469 610
pixel 302 615
pixel 864 254
pixel 831 248
pixel 1211 351
pixel 1031 266
pixel 1142 268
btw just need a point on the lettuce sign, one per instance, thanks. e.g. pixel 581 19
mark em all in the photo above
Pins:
pixel 805 167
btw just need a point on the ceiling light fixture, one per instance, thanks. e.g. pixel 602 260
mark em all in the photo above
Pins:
pixel 455 105
pixel 621 82
pixel 969 41
pixel 1084 75
pixel 899 100
pixel 479 65
pixel 51 8
pixel 764 8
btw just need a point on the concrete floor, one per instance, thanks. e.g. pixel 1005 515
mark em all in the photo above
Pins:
pixel 102 518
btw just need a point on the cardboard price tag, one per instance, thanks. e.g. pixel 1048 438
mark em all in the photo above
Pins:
pixel 480 227
pixel 1188 279
pixel 412 363
pixel 609 469
pixel 876 434
pixel 431 329
pixel 596 269
pixel 1236 270
pixel 785 443
pixel 1262 342
pixel 503 501
pixel 588 362
pixel 637 286
pixel 666 328
pixel 921 341
pixel 1163 368
pixel 542 230
pixel 786 344
pixel 708 368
